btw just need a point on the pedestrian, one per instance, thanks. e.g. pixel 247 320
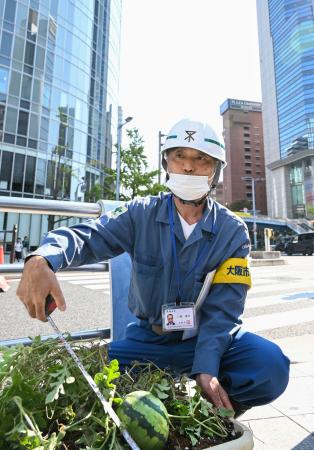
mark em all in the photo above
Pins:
pixel 25 248
pixel 18 249
pixel 174 240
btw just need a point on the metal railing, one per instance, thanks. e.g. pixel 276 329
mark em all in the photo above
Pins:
pixel 53 207
pixel 62 208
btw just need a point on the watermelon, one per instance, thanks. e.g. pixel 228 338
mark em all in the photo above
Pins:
pixel 146 419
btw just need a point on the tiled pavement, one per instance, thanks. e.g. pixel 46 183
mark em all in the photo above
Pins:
pixel 283 312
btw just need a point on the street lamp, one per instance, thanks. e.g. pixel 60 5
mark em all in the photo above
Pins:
pixel 81 186
pixel 160 135
pixel 119 140
pixel 252 180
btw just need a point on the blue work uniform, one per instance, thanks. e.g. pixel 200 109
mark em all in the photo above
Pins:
pixel 141 228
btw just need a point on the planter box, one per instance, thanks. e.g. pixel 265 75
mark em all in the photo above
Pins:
pixel 244 442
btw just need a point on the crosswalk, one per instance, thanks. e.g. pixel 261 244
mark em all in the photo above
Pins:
pixel 272 309
pixel 97 281
pixel 280 306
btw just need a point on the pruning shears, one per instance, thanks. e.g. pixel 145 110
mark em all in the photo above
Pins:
pixel 50 306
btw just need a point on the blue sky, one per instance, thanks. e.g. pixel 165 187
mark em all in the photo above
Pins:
pixel 183 58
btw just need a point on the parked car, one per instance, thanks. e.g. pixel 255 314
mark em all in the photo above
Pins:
pixel 302 243
pixel 281 246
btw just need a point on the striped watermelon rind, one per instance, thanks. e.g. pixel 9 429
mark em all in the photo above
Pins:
pixel 146 419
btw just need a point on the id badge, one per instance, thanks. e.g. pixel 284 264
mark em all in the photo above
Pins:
pixel 178 317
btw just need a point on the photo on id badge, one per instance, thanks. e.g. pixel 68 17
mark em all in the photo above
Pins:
pixel 170 321
pixel 178 317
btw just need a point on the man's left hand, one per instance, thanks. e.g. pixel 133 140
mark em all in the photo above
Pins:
pixel 213 391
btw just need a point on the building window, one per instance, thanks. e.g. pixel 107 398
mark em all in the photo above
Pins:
pixel 30 174
pixel 18 51
pixel 18 173
pixel 23 123
pixel 249 195
pixel 32 143
pixel 50 184
pixel 4 75
pixel 247 164
pixel 10 8
pixel 6 170
pixel 29 53
pixel 32 25
pixel 21 18
pixel 11 120
pixel 21 141
pixel 9 138
pixel 248 172
pixel 6 44
pixel 247 157
pixel 40 176
pixel 36 91
pixel 15 83
pixel 246 128
pixel 40 57
pixel 33 126
pixel 247 142
pixel 246 135
pixel 26 87
pixel 2 110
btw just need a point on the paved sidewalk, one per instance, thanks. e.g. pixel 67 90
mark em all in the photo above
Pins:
pixel 288 422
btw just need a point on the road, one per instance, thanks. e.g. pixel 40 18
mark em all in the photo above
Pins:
pixel 87 295
pixel 280 303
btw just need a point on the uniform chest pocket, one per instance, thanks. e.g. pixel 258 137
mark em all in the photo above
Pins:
pixel 145 290
pixel 146 269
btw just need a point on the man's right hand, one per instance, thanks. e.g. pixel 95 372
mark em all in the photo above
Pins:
pixel 37 281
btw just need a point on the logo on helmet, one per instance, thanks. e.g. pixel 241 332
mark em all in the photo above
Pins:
pixel 189 136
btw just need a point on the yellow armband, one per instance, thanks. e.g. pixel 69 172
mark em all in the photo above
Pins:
pixel 234 270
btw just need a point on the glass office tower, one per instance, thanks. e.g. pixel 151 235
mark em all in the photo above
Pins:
pixel 286 36
pixel 59 72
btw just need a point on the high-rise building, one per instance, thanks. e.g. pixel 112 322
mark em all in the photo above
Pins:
pixel 286 40
pixel 59 72
pixel 244 175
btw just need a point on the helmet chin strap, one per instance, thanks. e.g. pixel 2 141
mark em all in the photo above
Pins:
pixel 193 202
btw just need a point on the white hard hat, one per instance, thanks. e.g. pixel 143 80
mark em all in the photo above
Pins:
pixel 197 135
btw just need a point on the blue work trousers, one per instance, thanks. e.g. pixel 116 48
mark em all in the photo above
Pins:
pixel 253 370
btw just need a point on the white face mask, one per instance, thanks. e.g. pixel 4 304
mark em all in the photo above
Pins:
pixel 188 187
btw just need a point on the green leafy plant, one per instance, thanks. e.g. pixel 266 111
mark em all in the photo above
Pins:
pixel 46 404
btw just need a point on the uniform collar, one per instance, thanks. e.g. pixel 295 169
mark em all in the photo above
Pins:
pixel 209 219
pixel 207 222
pixel 162 215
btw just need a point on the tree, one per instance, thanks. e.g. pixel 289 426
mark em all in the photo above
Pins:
pixel 59 176
pixel 105 190
pixel 134 178
pixel 240 204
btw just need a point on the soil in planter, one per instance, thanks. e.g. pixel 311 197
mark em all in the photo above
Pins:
pixel 176 442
